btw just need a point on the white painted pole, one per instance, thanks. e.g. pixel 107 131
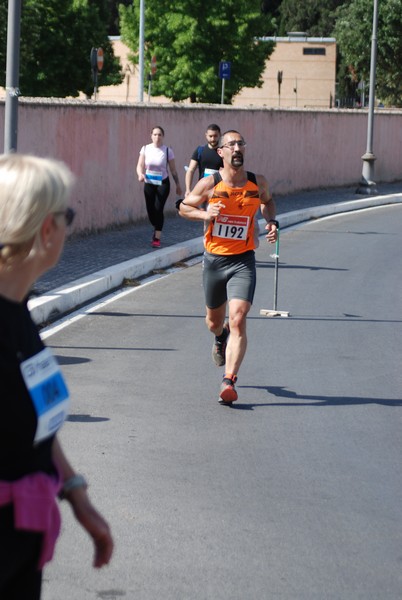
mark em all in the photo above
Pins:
pixel 12 76
pixel 141 51
pixel 367 185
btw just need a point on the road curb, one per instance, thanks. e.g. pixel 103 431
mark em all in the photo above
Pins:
pixel 316 212
pixel 64 299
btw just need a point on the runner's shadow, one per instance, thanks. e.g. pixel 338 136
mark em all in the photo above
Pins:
pixel 309 400
pixel 71 360
pixel 267 265
pixel 86 419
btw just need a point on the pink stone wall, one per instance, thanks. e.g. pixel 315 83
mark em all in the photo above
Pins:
pixel 295 149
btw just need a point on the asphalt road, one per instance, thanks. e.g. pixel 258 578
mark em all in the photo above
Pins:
pixel 294 493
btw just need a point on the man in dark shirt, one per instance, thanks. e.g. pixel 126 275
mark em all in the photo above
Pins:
pixel 205 157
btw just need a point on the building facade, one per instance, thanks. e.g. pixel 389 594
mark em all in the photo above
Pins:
pixel 307 66
pixel 300 73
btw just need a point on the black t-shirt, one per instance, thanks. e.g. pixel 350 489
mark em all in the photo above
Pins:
pixel 19 340
pixel 207 158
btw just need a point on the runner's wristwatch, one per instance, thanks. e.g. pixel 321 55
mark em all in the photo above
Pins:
pixel 74 482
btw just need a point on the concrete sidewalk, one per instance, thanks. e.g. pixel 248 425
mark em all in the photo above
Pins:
pixel 94 265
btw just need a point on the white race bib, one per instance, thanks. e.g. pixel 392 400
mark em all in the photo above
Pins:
pixel 48 391
pixel 154 177
pixel 231 227
pixel 209 172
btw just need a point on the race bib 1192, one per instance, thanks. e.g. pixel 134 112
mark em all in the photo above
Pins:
pixel 231 227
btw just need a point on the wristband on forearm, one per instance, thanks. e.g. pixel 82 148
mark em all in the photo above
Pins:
pixel 72 483
pixel 275 222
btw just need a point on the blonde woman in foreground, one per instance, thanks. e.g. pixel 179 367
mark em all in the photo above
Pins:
pixel 34 402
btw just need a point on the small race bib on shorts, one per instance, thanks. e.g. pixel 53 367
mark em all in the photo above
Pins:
pixel 48 391
pixel 154 177
pixel 231 227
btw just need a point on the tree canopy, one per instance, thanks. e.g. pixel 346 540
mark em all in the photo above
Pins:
pixel 189 40
pixel 56 41
pixel 314 17
pixel 350 22
pixel 353 31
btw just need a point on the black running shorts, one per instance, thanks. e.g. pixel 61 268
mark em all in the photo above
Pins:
pixel 228 277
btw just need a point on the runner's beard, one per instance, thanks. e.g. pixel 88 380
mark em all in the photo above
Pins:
pixel 237 160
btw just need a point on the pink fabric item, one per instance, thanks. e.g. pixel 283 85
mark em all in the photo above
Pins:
pixel 35 508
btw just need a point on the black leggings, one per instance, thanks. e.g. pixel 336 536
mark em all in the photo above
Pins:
pixel 19 556
pixel 155 199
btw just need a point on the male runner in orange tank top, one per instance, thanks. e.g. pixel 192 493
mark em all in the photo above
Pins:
pixel 233 197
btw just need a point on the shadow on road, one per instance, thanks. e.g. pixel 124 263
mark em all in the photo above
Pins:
pixel 308 400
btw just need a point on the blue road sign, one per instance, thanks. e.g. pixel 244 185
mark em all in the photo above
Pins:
pixel 224 69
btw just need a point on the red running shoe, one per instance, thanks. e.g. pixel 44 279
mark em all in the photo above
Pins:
pixel 228 393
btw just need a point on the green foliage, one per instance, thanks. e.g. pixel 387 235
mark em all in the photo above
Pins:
pixel 314 17
pixel 354 32
pixel 113 19
pixel 350 22
pixel 56 41
pixel 189 40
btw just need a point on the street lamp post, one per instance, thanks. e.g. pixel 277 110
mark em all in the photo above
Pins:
pixel 141 52
pixel 12 76
pixel 367 185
